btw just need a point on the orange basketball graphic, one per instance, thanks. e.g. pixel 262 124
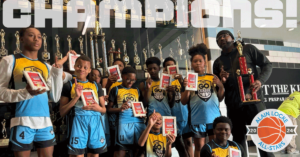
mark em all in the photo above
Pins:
pixel 271 130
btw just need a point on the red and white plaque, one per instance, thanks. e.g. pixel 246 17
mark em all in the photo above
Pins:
pixel 35 80
pixel 138 109
pixel 234 152
pixel 173 70
pixel 165 81
pixel 192 79
pixel 114 70
pixel 72 59
pixel 169 125
pixel 88 97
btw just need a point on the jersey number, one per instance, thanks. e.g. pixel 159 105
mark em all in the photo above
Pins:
pixel 22 135
pixel 74 140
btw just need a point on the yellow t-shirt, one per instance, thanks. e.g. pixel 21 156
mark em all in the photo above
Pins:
pixel 156 145
pixel 291 105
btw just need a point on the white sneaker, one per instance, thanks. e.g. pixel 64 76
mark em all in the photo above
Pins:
pixel 294 152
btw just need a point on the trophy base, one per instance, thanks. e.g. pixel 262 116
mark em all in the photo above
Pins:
pixel 4 143
pixel 251 102
pixel 138 67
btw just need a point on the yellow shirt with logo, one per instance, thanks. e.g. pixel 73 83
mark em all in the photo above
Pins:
pixel 156 145
pixel 291 105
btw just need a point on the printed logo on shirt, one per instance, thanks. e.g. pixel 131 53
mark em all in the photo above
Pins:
pixel 177 94
pixel 129 97
pixel 157 93
pixel 204 90
pixel 158 148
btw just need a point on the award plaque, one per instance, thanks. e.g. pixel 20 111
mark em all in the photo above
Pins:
pixel 17 35
pixel 169 125
pixel 165 81
pixel 145 55
pixel 138 109
pixel 114 70
pixel 234 153
pixel 173 70
pixel 192 79
pixel 160 53
pixel 136 58
pixel 171 53
pixel 88 97
pixel 57 54
pixel 244 72
pixel 45 53
pixel 180 51
pixel 72 60
pixel 80 39
pixel 35 80
pixel 152 52
pixel 125 57
pixel 3 51
pixel 69 42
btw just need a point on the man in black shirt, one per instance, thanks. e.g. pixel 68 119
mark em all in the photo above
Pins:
pixel 225 68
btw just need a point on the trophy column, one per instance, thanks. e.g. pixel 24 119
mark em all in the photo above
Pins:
pixel 45 53
pixel 17 35
pixel 3 51
pixel 145 55
pixel 136 57
pixel 57 54
pixel 125 57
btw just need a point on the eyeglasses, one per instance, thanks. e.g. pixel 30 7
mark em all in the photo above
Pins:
pixel 132 81
pixel 222 36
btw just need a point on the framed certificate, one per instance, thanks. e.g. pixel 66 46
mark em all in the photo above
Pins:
pixel 192 79
pixel 72 59
pixel 114 70
pixel 35 80
pixel 88 97
pixel 169 125
pixel 138 109
pixel 172 70
pixel 165 80
pixel 104 94
pixel 234 153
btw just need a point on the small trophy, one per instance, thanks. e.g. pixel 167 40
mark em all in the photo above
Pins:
pixel 80 39
pixel 118 53
pixel 4 141
pixel 3 51
pixel 45 53
pixel 99 61
pixel 171 53
pixel 160 52
pixel 136 57
pixel 125 57
pixel 69 42
pixel 111 52
pixel 179 47
pixel 145 54
pixel 63 128
pixel 17 35
pixel 244 72
pixel 57 54
pixel 152 52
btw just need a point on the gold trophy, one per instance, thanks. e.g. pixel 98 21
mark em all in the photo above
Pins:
pixel 69 42
pixel 152 52
pixel 45 53
pixel 171 53
pixel 180 51
pixel 4 142
pixel 145 54
pixel 160 52
pixel 246 97
pixel 125 57
pixel 80 39
pixel 118 53
pixel 3 51
pixel 57 54
pixel 17 35
pixel 111 52
pixel 136 57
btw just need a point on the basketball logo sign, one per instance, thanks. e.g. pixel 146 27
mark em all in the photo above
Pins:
pixel 271 130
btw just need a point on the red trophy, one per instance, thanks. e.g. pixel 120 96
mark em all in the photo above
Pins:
pixel 244 72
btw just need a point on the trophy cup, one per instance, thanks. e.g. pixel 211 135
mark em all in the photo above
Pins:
pixel 136 57
pixel 17 35
pixel 69 42
pixel 4 141
pixel 125 57
pixel 111 52
pixel 152 52
pixel 45 53
pixel 160 52
pixel 118 53
pixel 171 53
pixel 3 51
pixel 80 39
pixel 57 54
pixel 244 72
pixel 179 47
pixel 145 54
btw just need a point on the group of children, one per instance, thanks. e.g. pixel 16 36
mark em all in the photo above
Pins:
pixel 112 129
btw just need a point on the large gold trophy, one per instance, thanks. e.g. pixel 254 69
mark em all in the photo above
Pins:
pixel 244 72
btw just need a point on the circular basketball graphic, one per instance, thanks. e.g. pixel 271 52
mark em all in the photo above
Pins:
pixel 271 130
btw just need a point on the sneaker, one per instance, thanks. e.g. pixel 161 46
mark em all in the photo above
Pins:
pixel 294 152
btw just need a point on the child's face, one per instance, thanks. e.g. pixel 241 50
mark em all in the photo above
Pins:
pixel 198 63
pixel 153 70
pixel 82 69
pixel 32 39
pixel 120 64
pixel 128 80
pixel 158 123
pixel 222 131
pixel 95 76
